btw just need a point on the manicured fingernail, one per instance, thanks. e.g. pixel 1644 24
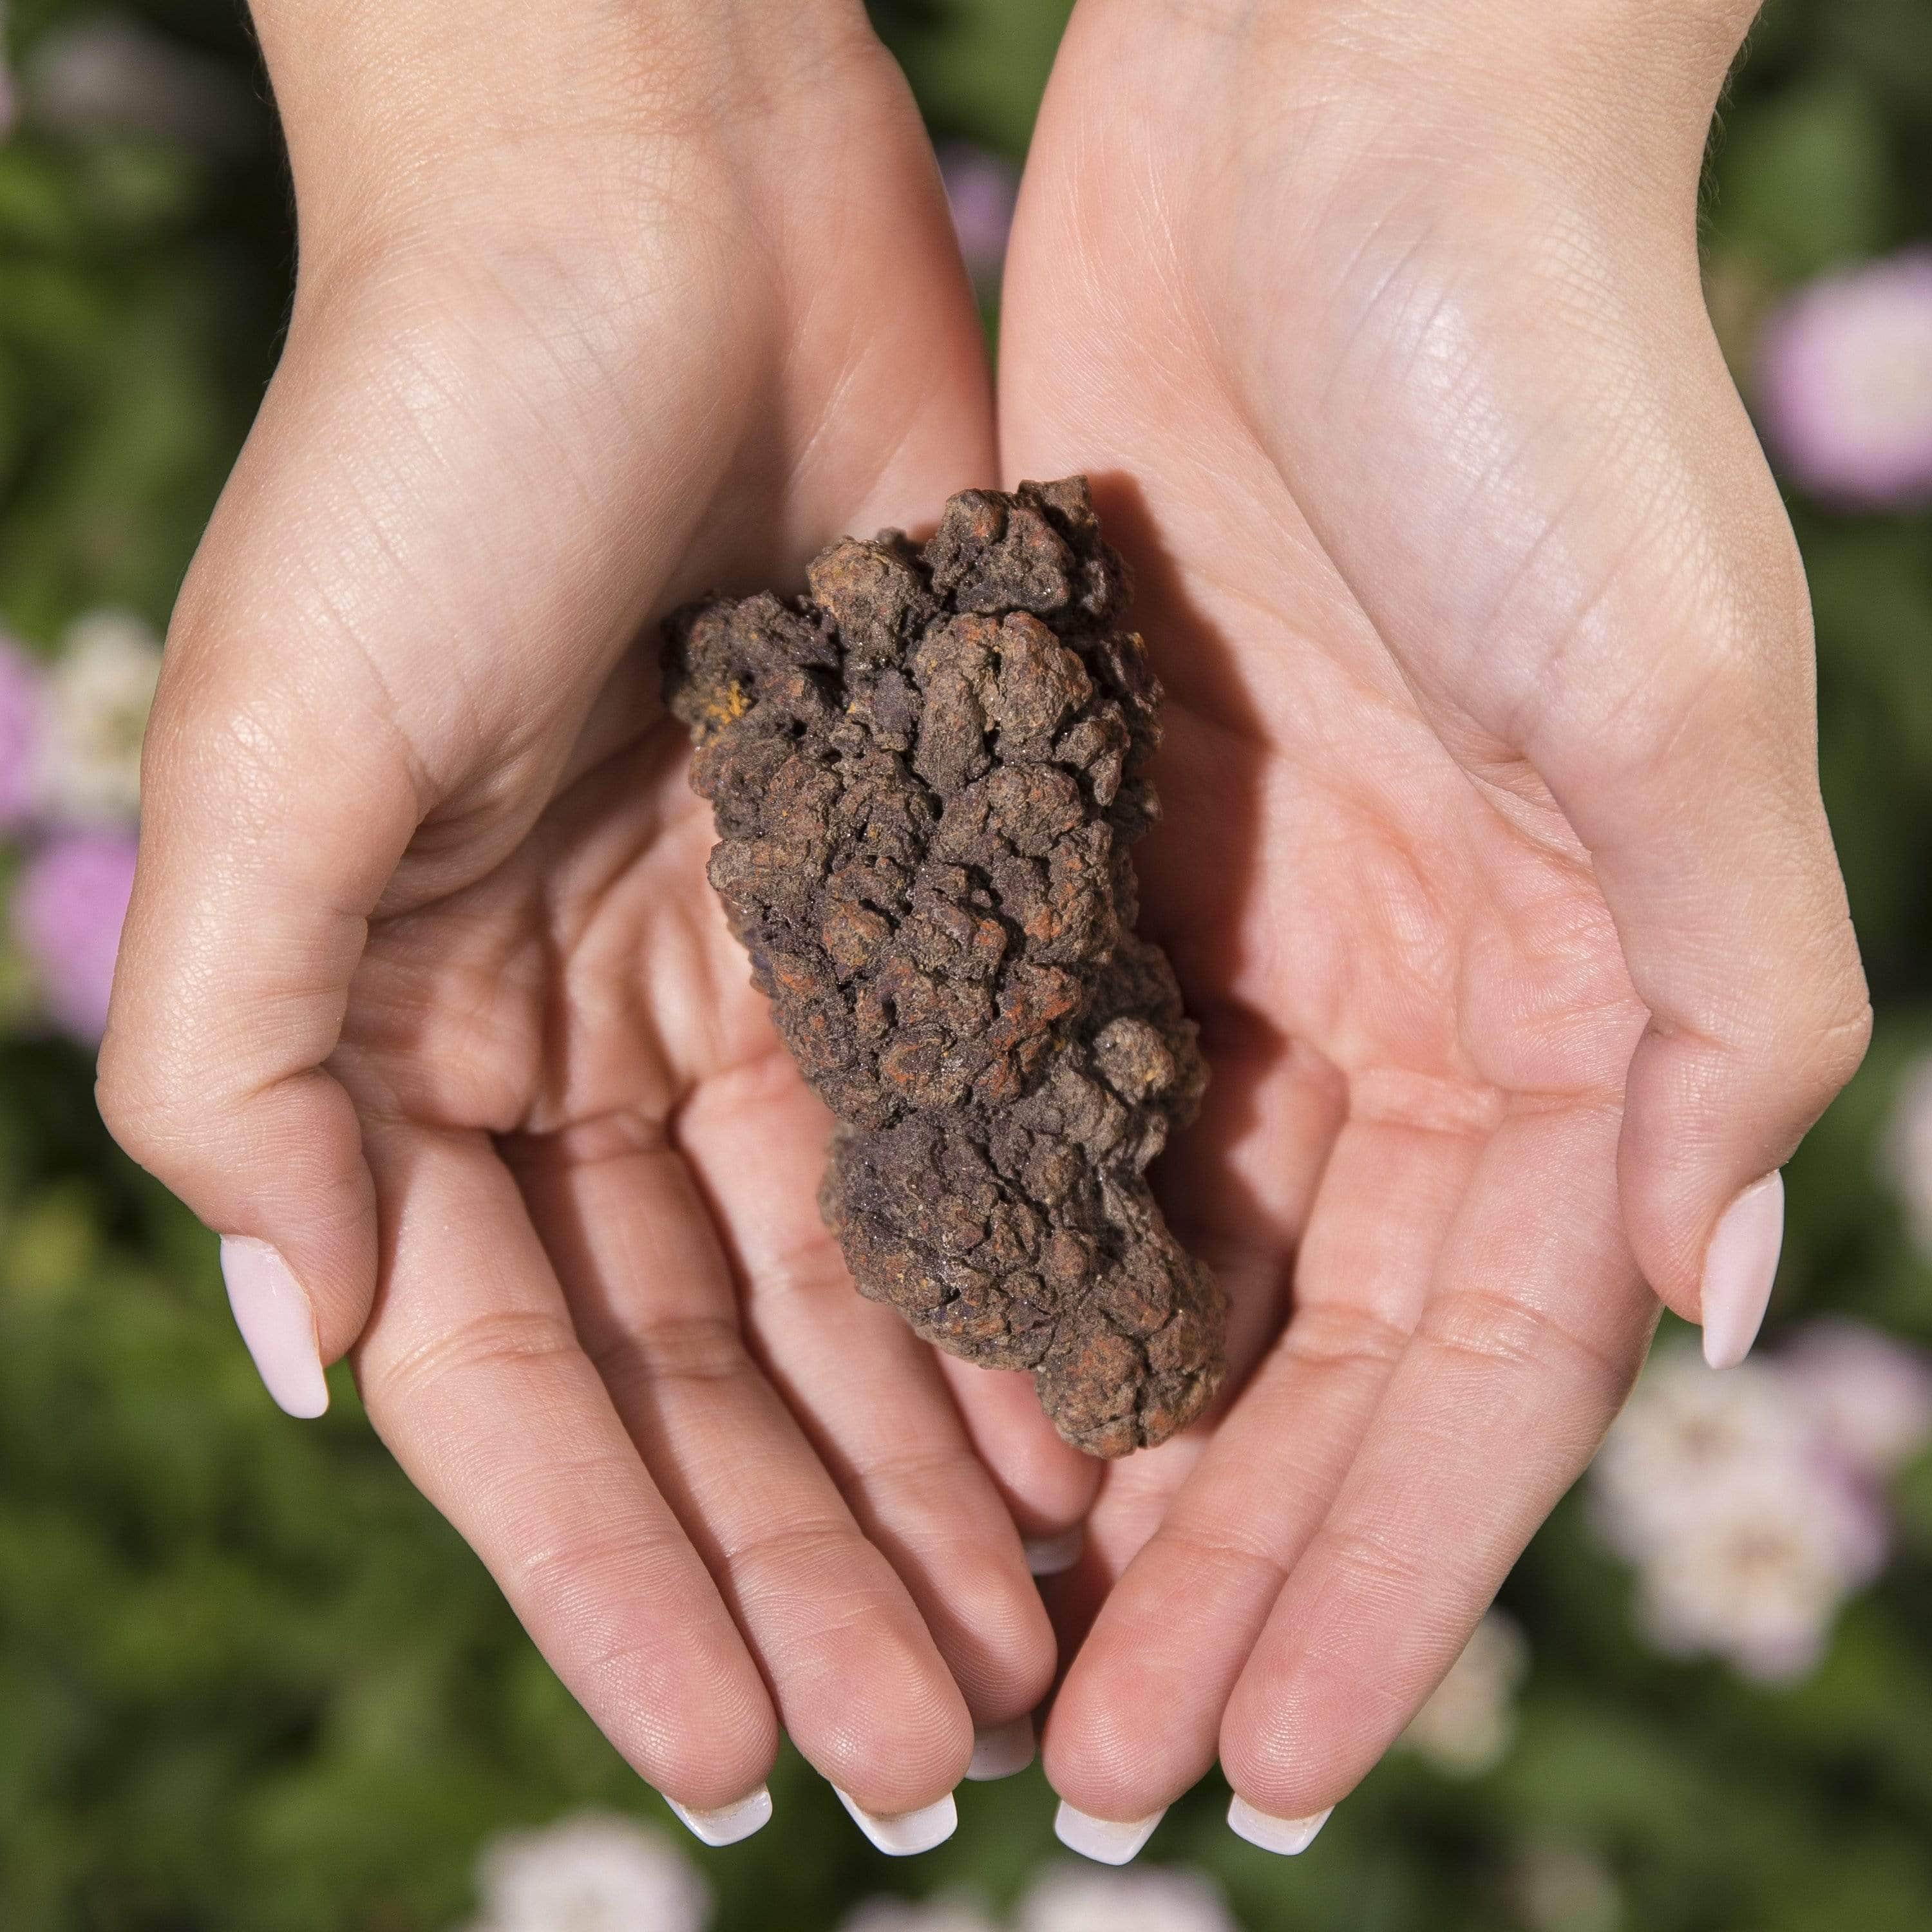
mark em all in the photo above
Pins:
pixel 1739 1268
pixel 901 1833
pixel 277 1323
pixel 1048 1556
pixel 1285 1835
pixel 1001 1753
pixel 729 1822
pixel 1106 1840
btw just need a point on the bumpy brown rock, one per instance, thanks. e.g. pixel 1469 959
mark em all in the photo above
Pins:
pixel 927 775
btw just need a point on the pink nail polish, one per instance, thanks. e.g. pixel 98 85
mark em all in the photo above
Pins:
pixel 1739 1268
pixel 277 1323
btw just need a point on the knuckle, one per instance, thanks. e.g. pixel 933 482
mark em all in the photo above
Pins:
pixel 1229 1557
pixel 1500 1334
pixel 1838 1050
pixel 819 1558
pixel 512 1340
pixel 563 1570
pixel 1374 1568
pixel 699 1349
pixel 1339 1336
pixel 146 1101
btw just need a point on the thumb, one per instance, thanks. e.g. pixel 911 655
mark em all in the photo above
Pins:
pixel 269 832
pixel 375 634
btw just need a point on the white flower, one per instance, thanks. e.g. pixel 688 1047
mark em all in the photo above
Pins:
pixel 1870 1398
pixel 100 693
pixel 1905 1154
pixel 593 1873
pixel 1757 1577
pixel 1557 1889
pixel 1685 1432
pixel 907 1914
pixel 1468 1725
pixel 1139 1898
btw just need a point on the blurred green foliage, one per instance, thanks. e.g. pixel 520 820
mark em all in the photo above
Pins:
pixel 248 1680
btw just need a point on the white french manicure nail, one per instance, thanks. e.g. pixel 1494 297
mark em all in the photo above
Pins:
pixel 1106 1840
pixel 1048 1556
pixel 900 1835
pixel 1001 1753
pixel 276 1322
pixel 729 1822
pixel 1286 1836
pixel 1739 1268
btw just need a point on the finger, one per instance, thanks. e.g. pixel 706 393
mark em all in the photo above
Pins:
pixel 1047 1485
pixel 859 1687
pixel 867 1391
pixel 1536 1322
pixel 474 1377
pixel 1176 1629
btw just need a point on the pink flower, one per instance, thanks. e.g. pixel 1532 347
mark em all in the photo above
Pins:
pixel 1747 1501
pixel 1870 1397
pixel 68 907
pixel 1759 1579
pixel 1844 384
pixel 23 727
pixel 981 189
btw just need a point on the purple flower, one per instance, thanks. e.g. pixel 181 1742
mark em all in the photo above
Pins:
pixel 23 727
pixel 69 904
pixel 981 188
pixel 1844 384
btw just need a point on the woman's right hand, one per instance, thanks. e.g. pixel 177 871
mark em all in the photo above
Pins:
pixel 425 1005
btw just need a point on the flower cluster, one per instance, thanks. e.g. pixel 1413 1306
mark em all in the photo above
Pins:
pixel 71 732
pixel 592 1873
pixel 598 1872
pixel 1751 1502
pixel 1069 1898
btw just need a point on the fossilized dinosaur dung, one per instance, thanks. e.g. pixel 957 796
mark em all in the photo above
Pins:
pixel 927 775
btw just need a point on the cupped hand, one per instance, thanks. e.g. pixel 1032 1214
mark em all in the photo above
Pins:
pixel 1495 862
pixel 425 1004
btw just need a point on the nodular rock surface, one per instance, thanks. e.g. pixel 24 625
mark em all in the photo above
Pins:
pixel 927 775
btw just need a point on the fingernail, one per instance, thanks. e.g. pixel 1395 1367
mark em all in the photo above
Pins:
pixel 729 1822
pixel 1739 1268
pixel 1106 1840
pixel 277 1323
pixel 1286 1836
pixel 900 1835
pixel 1000 1753
pixel 1048 1556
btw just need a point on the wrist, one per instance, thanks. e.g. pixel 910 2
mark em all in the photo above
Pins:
pixel 381 99
pixel 1504 44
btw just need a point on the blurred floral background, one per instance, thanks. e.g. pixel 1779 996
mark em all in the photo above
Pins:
pixel 247 1680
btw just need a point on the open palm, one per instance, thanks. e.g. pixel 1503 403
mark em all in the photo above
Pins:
pixel 485 1070
pixel 1466 584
